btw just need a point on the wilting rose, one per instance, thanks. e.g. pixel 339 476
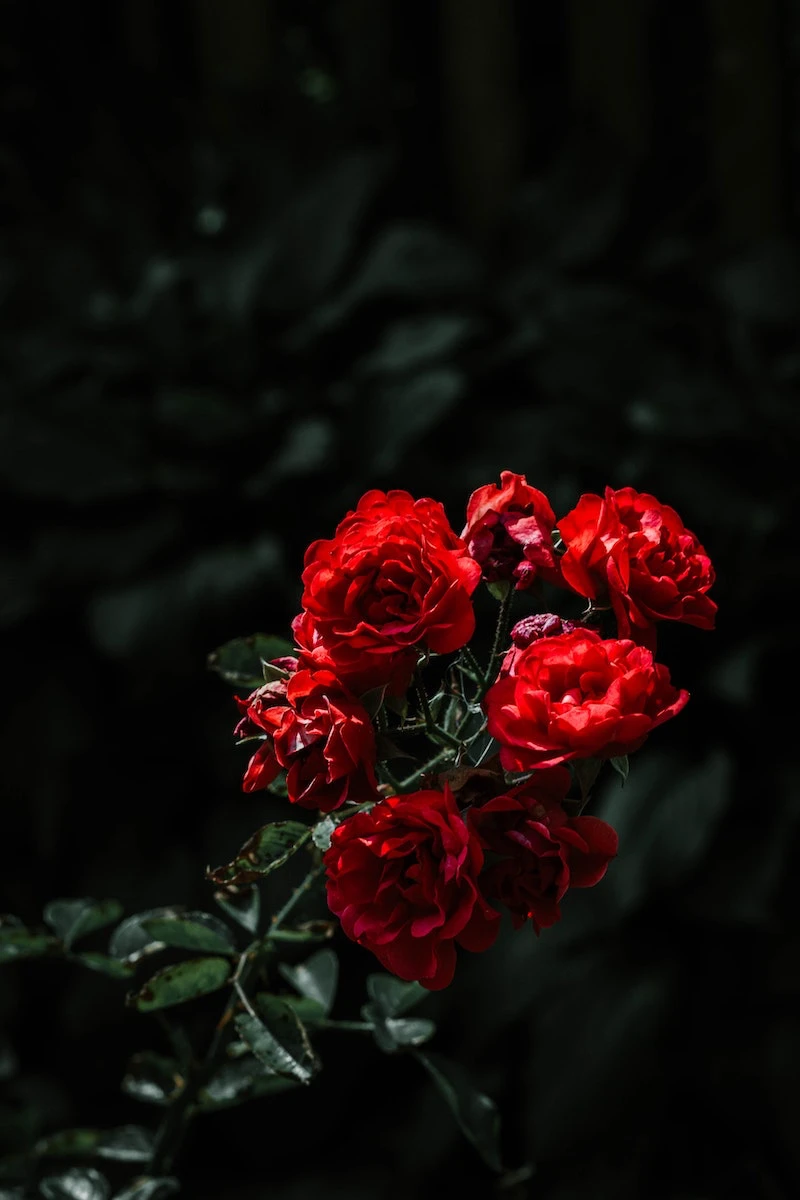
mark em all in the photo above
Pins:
pixel 395 579
pixel 535 852
pixel 403 880
pixel 578 696
pixel 261 714
pixel 631 551
pixel 509 531
pixel 320 733
pixel 530 629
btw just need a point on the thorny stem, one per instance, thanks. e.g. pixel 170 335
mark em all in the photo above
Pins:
pixel 179 1113
pixel 439 735
pixel 500 634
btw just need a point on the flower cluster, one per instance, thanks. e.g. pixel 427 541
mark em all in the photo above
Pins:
pixel 491 817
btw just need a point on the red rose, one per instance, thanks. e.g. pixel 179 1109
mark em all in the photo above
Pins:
pixel 578 696
pixel 636 553
pixel 509 531
pixel 262 713
pixel 403 880
pixel 537 851
pixel 393 579
pixel 319 733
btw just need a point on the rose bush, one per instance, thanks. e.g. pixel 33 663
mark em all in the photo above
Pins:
pixel 509 531
pixel 578 696
pixel 403 880
pixel 629 550
pixel 319 733
pixel 394 579
pixel 535 852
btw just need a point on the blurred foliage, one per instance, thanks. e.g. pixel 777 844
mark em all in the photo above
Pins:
pixel 230 309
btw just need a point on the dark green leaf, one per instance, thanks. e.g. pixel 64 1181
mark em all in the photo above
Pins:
pixel 191 931
pixel 499 589
pixel 16 942
pixel 72 919
pixel 115 967
pixel 373 700
pixel 239 662
pixel 243 904
pixel 476 1113
pixel 68 1142
pixel 16 1193
pixel 264 852
pixel 79 1183
pixel 147 1188
pixel 284 1046
pixel 310 1012
pixel 308 931
pixel 586 772
pixel 316 978
pixel 621 766
pixel 129 1143
pixel 321 833
pixel 131 941
pixel 397 1033
pixel 152 1078
pixel 394 996
pixel 180 982
pixel 240 1080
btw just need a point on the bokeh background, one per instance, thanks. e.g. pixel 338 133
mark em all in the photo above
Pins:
pixel 260 256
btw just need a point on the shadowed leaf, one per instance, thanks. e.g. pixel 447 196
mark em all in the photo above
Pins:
pixel 239 662
pixel 72 919
pixel 316 978
pixel 476 1113
pixel 191 931
pixel 263 853
pixel 180 982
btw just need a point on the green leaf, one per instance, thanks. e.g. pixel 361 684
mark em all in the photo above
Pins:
pixel 310 1012
pixel 18 942
pixel 191 931
pixel 586 771
pixel 242 904
pixel 129 1143
pixel 393 1033
pixel 321 833
pixel 393 996
pixel 73 919
pixel 68 1142
pixel 131 941
pixel 153 1078
pixel 145 1187
pixel 79 1183
pixel 283 1046
pixel 621 766
pixel 180 982
pixel 263 853
pixel 499 589
pixel 239 662
pixel 116 968
pixel 308 931
pixel 475 1112
pixel 316 978
pixel 372 701
pixel 240 1080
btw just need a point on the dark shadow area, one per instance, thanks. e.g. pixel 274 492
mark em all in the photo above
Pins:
pixel 261 256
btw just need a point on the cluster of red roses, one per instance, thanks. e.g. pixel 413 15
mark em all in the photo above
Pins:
pixel 413 875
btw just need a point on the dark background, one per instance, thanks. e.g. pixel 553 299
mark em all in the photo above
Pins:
pixel 260 256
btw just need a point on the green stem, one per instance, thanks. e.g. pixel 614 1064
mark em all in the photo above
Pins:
pixel 415 776
pixel 438 735
pixel 351 1026
pixel 177 1117
pixel 472 662
pixel 500 635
